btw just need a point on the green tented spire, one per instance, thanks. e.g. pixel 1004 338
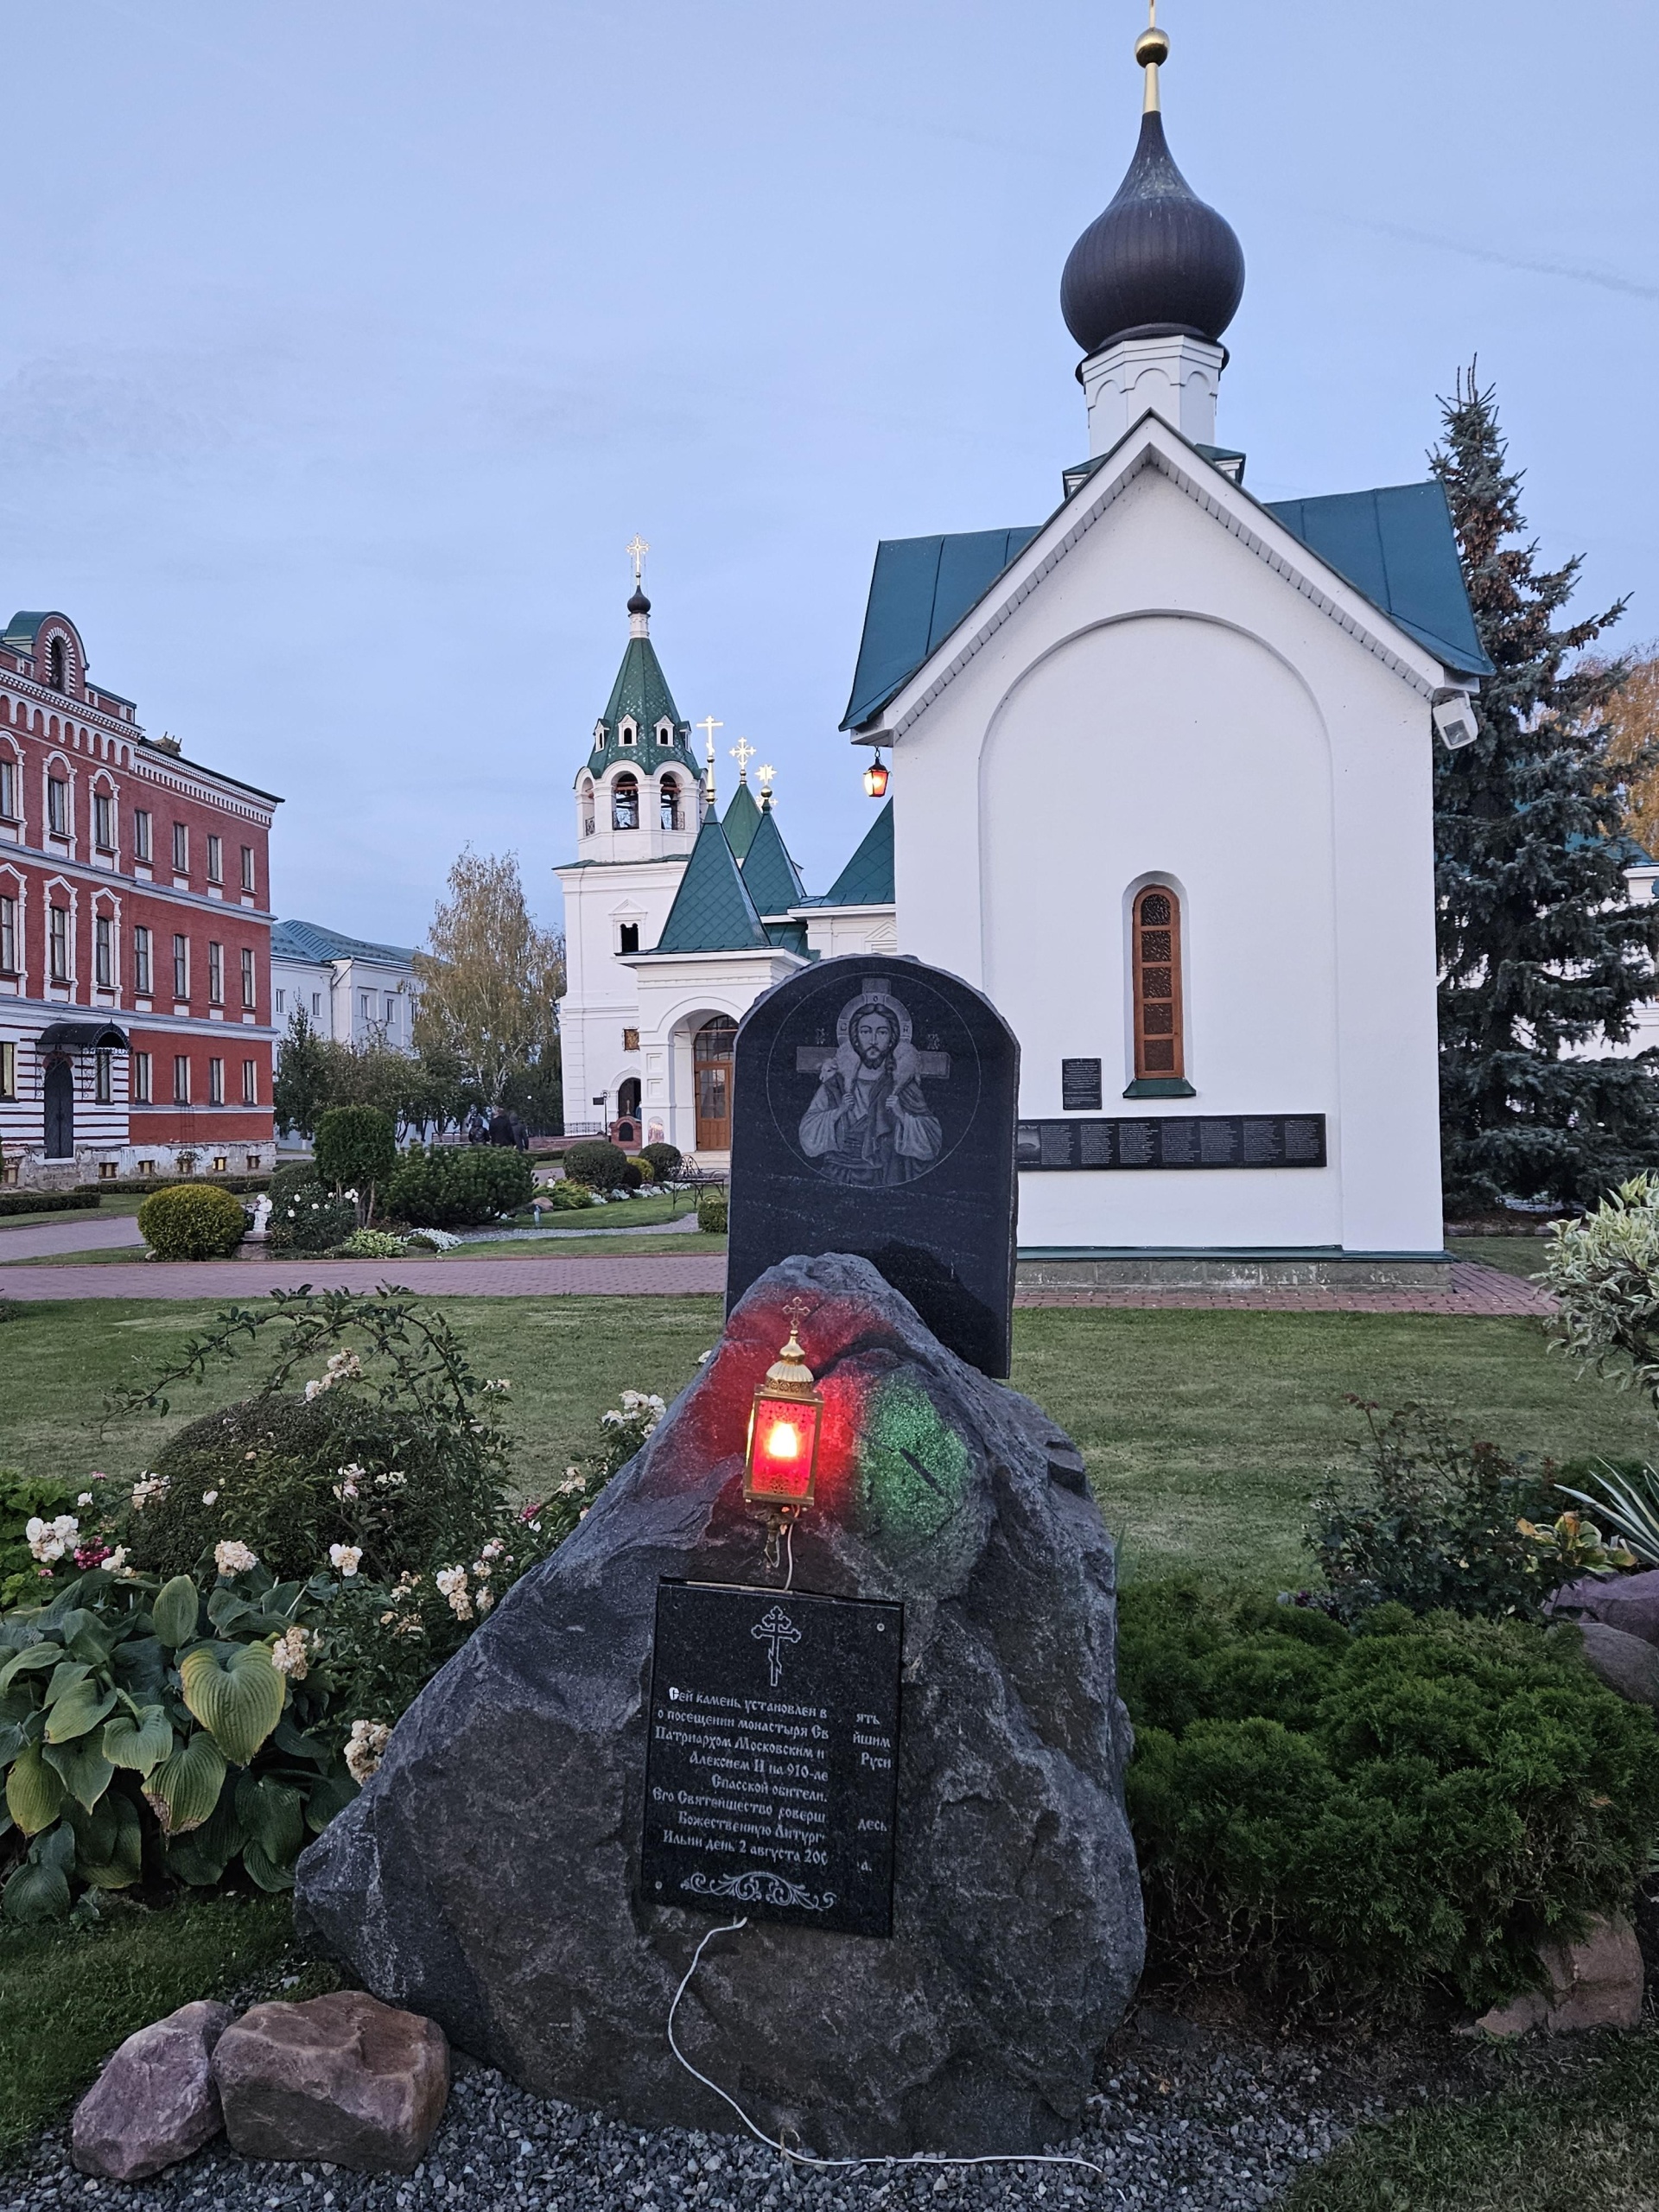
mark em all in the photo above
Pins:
pixel 712 911
pixel 742 819
pixel 641 699
pixel 867 879
pixel 771 875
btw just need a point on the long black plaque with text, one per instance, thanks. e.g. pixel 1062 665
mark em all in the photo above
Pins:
pixel 1174 1140
pixel 772 1758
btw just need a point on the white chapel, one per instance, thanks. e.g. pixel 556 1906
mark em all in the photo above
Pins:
pixel 1164 764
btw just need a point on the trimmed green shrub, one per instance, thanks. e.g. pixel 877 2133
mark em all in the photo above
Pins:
pixel 567 1197
pixel 1372 1818
pixel 601 1165
pixel 459 1186
pixel 1433 1521
pixel 15 1201
pixel 356 1149
pixel 192 1221
pixel 711 1213
pixel 661 1159
pixel 371 1244
pixel 307 1218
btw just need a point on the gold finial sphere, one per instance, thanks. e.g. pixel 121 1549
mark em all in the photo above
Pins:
pixel 1152 47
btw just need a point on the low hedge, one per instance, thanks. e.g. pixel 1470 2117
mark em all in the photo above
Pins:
pixel 193 1221
pixel 711 1213
pixel 244 1185
pixel 78 1201
pixel 1370 1818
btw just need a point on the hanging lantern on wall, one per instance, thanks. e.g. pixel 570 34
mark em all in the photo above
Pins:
pixel 781 1464
pixel 875 777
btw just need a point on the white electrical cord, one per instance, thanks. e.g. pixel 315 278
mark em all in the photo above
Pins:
pixel 802 2158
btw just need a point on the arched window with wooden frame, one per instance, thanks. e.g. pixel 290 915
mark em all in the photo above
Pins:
pixel 1159 1039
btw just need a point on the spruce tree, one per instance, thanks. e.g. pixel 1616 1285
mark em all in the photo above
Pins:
pixel 1540 949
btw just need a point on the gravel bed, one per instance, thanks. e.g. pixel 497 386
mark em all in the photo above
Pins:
pixel 679 1226
pixel 1207 2127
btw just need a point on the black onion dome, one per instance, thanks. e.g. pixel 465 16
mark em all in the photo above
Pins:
pixel 1156 261
pixel 639 604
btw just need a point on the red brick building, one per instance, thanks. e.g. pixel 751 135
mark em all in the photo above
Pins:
pixel 135 935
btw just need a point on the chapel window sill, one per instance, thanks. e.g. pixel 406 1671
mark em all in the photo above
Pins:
pixel 1160 1086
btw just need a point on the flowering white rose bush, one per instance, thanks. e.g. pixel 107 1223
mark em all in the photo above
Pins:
pixel 231 1558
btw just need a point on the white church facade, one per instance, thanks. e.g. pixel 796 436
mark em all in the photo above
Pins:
pixel 1164 768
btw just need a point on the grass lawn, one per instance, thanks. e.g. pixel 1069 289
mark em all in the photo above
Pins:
pixel 687 1242
pixel 1516 1255
pixel 630 1213
pixel 1205 1431
pixel 68 1996
pixel 1592 2140
pixel 105 1255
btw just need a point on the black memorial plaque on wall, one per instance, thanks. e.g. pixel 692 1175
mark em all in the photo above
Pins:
pixel 1174 1141
pixel 873 1112
pixel 771 1759
pixel 1080 1090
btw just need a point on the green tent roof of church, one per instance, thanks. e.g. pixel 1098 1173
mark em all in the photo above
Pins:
pixel 640 695
pixel 712 911
pixel 773 879
pixel 867 879
pixel 742 819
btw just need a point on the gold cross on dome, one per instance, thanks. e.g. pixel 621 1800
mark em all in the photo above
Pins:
pixel 637 552
pixel 765 772
pixel 743 752
pixel 709 725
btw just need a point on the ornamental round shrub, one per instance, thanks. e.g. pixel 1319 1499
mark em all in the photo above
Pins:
pixel 192 1221
pixel 711 1213
pixel 602 1167
pixel 661 1159
pixel 1373 1818
pixel 458 1186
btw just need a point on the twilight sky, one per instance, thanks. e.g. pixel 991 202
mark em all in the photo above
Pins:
pixel 348 346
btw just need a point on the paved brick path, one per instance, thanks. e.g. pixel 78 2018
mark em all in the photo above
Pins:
pixel 1472 1289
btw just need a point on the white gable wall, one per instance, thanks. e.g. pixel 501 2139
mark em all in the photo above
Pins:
pixel 601 998
pixel 1164 702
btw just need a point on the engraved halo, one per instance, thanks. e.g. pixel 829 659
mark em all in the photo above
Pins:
pixel 879 1001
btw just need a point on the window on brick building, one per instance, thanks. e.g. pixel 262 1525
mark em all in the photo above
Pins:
pixel 57 665
pixel 141 846
pixel 215 974
pixel 248 995
pixel 282 1001
pixel 250 1082
pixel 180 849
pixel 181 1079
pixel 215 860
pixel 8 936
pixel 58 943
pixel 104 820
pixel 215 1082
pixel 140 1078
pixel 141 959
pixel 57 806
pixel 8 1070
pixel 103 1077
pixel 104 952
pixel 181 967
pixel 8 790
pixel 247 867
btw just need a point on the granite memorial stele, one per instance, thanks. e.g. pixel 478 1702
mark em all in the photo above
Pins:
pixel 873 1112
pixel 928 1843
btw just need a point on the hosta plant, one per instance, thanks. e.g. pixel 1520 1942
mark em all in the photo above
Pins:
pixel 154 1729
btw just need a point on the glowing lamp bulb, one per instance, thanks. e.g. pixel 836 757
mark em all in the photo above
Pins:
pixel 780 1465
pixel 875 777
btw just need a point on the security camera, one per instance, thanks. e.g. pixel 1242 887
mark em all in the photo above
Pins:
pixel 1455 720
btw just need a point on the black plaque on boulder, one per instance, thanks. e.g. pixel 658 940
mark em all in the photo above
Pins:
pixel 772 1757
pixel 874 1113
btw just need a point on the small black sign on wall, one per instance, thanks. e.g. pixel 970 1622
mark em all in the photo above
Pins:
pixel 1080 1086
pixel 772 1757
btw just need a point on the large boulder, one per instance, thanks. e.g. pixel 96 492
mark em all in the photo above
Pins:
pixel 341 2078
pixel 1594 1983
pixel 155 2102
pixel 1626 1663
pixel 1629 1603
pixel 488 1874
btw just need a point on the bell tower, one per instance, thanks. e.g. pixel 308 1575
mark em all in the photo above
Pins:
pixel 638 794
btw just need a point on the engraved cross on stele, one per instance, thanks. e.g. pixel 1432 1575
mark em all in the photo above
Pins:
pixel 777 1630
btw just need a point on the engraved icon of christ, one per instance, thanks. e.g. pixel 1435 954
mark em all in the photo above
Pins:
pixel 868 1126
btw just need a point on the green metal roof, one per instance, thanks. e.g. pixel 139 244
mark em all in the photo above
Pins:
pixel 921 590
pixel 742 819
pixel 1397 545
pixel 712 911
pixel 773 880
pixel 867 879
pixel 640 694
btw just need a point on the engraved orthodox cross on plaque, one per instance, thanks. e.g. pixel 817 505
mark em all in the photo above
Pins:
pixel 776 1629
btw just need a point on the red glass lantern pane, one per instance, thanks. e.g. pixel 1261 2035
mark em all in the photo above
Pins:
pixel 782 1447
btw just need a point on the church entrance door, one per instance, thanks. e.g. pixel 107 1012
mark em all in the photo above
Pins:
pixel 60 1092
pixel 712 1059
